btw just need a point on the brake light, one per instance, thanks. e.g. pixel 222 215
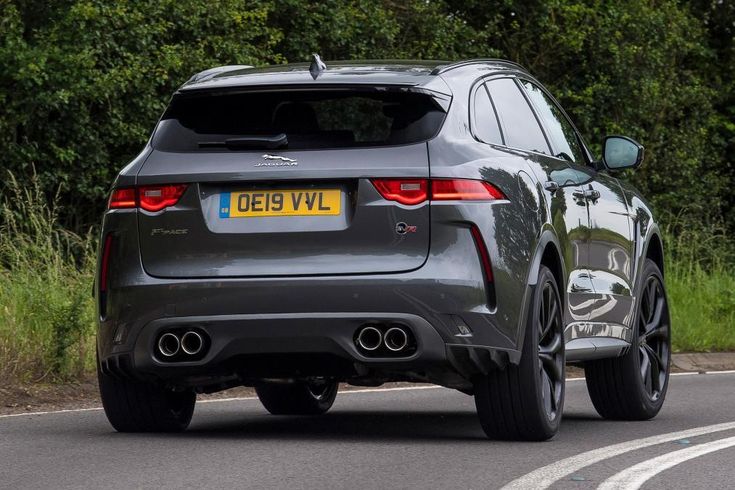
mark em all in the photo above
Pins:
pixel 404 191
pixel 151 198
pixel 122 198
pixel 416 191
pixel 464 190
pixel 155 198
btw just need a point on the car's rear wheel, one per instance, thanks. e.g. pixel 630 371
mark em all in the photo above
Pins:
pixel 633 387
pixel 298 398
pixel 133 406
pixel 525 402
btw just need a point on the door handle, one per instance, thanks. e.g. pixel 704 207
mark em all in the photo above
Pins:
pixel 588 194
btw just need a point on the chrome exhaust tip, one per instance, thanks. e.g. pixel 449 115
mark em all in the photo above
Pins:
pixel 168 345
pixel 396 339
pixel 192 343
pixel 369 338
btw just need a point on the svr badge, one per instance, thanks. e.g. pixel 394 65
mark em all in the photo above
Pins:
pixel 402 228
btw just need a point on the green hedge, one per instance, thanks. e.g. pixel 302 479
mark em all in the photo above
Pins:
pixel 82 82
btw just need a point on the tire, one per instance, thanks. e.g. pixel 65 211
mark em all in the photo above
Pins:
pixel 525 401
pixel 299 398
pixel 633 387
pixel 133 406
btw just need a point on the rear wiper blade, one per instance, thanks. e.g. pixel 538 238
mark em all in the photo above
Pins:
pixel 268 142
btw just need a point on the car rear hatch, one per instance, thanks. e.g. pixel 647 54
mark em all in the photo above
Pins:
pixel 280 183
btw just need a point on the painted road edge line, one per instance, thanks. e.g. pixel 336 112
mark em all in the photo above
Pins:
pixel 634 477
pixel 547 475
pixel 368 390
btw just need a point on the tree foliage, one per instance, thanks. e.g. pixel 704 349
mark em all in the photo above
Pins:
pixel 82 82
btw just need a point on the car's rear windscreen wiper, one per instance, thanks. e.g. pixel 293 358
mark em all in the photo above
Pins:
pixel 268 142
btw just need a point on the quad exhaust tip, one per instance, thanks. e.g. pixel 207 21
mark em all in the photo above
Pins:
pixel 370 338
pixel 396 339
pixel 168 345
pixel 192 343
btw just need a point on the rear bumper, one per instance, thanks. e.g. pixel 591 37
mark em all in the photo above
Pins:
pixel 440 302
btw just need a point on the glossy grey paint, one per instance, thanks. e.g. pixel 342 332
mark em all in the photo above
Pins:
pixel 433 284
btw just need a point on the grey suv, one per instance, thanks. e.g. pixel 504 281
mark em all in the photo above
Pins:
pixel 297 226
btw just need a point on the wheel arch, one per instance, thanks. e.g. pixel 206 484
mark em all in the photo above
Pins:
pixel 547 253
pixel 655 250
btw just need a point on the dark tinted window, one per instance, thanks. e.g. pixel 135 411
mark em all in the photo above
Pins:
pixel 485 123
pixel 310 119
pixel 520 127
pixel 561 132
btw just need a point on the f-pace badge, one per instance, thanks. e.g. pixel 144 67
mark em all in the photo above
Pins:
pixel 402 228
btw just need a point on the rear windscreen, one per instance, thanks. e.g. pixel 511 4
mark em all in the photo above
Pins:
pixel 308 119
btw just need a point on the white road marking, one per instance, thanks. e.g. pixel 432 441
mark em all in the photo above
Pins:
pixel 547 475
pixel 634 477
pixel 368 390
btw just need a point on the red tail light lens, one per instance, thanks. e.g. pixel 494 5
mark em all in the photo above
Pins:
pixel 151 198
pixel 155 198
pixel 404 191
pixel 415 191
pixel 464 190
pixel 122 198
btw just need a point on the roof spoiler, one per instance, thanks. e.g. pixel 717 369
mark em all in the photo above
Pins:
pixel 212 72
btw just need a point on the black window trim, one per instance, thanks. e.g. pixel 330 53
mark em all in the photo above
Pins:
pixel 476 86
pixel 586 153
pixel 513 76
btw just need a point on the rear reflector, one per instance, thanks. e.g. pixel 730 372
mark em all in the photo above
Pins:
pixel 483 253
pixel 416 191
pixel 155 198
pixel 105 265
pixel 404 191
pixel 122 198
pixel 151 198
pixel 464 190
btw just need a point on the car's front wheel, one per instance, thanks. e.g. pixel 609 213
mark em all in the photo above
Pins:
pixel 525 402
pixel 633 387
pixel 133 406
pixel 298 398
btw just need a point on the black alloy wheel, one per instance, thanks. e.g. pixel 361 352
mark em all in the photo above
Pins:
pixel 633 386
pixel 526 401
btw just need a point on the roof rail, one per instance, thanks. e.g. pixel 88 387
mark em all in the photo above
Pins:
pixel 212 72
pixel 445 68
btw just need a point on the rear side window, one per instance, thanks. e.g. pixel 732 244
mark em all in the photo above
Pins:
pixel 309 119
pixel 485 123
pixel 520 127
pixel 560 130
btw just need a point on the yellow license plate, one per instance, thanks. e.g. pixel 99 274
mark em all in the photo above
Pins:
pixel 292 202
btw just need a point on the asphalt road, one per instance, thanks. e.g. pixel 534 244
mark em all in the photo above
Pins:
pixel 405 438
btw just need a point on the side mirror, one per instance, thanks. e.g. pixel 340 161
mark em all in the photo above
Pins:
pixel 621 152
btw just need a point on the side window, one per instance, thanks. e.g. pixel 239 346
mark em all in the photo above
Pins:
pixel 561 132
pixel 485 122
pixel 520 127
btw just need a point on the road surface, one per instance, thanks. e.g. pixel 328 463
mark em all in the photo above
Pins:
pixel 425 437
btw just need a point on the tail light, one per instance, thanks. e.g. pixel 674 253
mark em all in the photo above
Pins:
pixel 122 198
pixel 404 191
pixel 155 198
pixel 464 190
pixel 151 198
pixel 416 191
